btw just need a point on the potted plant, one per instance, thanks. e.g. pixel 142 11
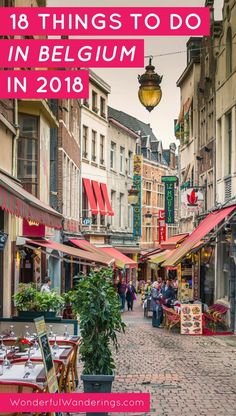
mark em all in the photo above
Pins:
pixel 31 303
pixel 98 307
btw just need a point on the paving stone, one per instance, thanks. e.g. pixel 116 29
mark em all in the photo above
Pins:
pixel 185 375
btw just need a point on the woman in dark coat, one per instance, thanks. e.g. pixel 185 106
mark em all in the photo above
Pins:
pixel 157 312
pixel 130 295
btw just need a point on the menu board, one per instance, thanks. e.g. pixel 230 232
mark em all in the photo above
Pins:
pixel 191 319
pixel 46 354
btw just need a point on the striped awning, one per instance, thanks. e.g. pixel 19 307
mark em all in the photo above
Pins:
pixel 160 257
pixel 17 201
pixel 210 222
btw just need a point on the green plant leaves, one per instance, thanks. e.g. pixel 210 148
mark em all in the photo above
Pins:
pixel 98 306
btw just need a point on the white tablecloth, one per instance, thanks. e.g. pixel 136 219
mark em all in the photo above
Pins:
pixel 17 372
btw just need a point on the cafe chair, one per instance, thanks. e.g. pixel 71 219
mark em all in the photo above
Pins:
pixel 18 387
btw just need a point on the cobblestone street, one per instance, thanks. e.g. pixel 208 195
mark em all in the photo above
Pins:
pixel 185 375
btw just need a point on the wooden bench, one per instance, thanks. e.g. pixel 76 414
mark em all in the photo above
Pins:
pixel 171 318
pixel 216 314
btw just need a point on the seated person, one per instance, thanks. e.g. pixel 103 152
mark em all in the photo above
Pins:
pixel 168 293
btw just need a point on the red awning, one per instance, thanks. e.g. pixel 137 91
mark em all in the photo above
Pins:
pixel 99 198
pixel 107 199
pixel 72 251
pixel 171 242
pixel 87 246
pixel 19 202
pixel 210 222
pixel 90 195
pixel 121 259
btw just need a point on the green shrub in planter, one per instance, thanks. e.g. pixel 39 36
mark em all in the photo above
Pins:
pixel 98 307
pixel 28 298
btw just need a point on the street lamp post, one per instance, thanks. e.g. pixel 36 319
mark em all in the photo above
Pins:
pixel 150 91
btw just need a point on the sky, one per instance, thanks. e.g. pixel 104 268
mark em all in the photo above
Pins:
pixel 124 81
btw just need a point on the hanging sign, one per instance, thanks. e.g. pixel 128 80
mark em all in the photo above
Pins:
pixel 169 202
pixel 192 199
pixel 162 226
pixel 169 182
pixel 137 183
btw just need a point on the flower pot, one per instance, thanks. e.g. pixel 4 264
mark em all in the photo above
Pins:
pixel 97 384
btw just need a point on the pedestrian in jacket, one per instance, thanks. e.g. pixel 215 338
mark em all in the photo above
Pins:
pixel 121 289
pixel 130 295
pixel 168 293
pixel 157 312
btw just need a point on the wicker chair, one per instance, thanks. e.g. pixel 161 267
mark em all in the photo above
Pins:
pixel 18 387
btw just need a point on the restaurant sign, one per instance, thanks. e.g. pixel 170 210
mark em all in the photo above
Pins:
pixel 169 182
pixel 192 199
pixel 169 202
pixel 137 183
pixel 161 226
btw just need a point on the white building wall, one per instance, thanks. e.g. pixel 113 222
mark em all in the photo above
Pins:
pixel 120 182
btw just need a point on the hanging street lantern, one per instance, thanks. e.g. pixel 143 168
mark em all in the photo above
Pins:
pixel 150 91
pixel 133 196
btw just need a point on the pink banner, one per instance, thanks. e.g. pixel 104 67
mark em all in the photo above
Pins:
pixel 44 84
pixel 75 402
pixel 99 21
pixel 72 53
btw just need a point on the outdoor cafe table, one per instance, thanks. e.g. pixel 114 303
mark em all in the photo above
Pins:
pixel 62 354
pixel 18 372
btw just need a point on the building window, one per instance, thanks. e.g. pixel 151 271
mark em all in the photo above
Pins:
pixel 122 159
pixel 210 195
pixel 148 233
pixel 130 216
pixel 102 107
pixel 86 103
pixel 28 161
pixel 160 196
pixel 113 156
pixel 113 204
pixel 130 164
pixel 229 52
pixel 203 127
pixel 148 193
pixel 219 162
pixel 94 145
pixel 102 142
pixel 85 142
pixel 229 135
pixel 94 101
pixel 121 205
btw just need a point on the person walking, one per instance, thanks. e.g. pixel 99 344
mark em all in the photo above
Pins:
pixel 122 289
pixel 130 295
pixel 157 312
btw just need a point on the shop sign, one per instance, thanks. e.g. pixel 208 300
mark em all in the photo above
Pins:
pixel 162 226
pixel 169 202
pixel 137 183
pixel 46 355
pixel 191 319
pixel 33 229
pixel 192 199
pixel 169 179
pixel 3 240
